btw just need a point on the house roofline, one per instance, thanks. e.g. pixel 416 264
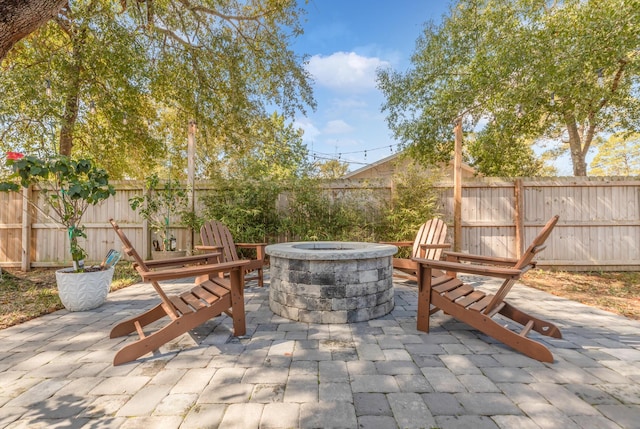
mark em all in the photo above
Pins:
pixel 390 158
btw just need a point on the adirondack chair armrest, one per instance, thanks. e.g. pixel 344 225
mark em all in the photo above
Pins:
pixel 435 245
pixel 204 258
pixel 482 270
pixel 458 256
pixel 191 271
pixel 398 243
pixel 258 247
pixel 208 248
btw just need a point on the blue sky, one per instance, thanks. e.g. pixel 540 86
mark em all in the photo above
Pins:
pixel 346 41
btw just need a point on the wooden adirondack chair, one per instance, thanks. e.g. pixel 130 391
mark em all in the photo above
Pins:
pixel 428 244
pixel 216 237
pixel 210 297
pixel 477 308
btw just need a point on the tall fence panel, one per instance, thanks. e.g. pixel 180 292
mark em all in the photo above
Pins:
pixel 599 225
pixel 10 226
pixel 599 221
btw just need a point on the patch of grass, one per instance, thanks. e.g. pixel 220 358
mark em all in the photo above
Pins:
pixel 26 295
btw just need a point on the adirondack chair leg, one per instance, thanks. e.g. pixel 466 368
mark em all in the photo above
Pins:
pixel 541 326
pixel 524 345
pixel 237 302
pixel 167 333
pixel 488 326
pixel 424 298
pixel 144 319
pixel 260 277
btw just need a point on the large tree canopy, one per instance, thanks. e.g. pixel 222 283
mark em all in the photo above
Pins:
pixel 517 72
pixel 121 80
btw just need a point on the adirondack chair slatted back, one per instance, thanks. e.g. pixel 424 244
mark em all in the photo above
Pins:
pixel 216 233
pixel 141 267
pixel 537 245
pixel 525 262
pixel 432 231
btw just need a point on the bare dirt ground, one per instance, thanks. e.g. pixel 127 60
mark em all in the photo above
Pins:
pixel 24 296
pixel 617 292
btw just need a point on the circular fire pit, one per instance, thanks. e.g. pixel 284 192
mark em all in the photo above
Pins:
pixel 330 281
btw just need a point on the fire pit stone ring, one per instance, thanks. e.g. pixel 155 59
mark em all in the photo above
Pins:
pixel 331 281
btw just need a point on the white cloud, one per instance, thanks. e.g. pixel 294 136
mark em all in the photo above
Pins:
pixel 310 130
pixel 345 71
pixel 337 126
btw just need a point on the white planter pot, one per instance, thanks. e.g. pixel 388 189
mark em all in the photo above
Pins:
pixel 83 291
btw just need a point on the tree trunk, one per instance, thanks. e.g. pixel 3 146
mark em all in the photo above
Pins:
pixel 578 153
pixel 71 104
pixel 68 122
pixel 19 18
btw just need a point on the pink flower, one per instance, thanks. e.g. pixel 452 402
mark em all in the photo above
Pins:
pixel 14 156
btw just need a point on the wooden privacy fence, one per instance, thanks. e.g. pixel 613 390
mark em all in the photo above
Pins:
pixel 599 227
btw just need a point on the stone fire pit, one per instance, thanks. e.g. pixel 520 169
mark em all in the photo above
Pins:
pixel 331 282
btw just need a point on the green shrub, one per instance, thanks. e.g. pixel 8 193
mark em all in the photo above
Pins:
pixel 267 211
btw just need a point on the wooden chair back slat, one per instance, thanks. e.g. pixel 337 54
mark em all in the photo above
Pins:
pixel 215 233
pixel 433 231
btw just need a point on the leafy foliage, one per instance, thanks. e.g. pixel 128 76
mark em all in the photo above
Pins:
pixel 269 211
pixel 413 202
pixel 112 78
pixel 247 208
pixel 69 187
pixel 277 153
pixel 524 71
pixel 159 202
pixel 619 155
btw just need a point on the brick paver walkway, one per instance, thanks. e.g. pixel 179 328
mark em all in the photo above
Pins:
pixel 56 372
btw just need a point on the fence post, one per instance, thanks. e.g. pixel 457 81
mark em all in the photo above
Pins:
pixel 518 216
pixel 25 262
pixel 146 237
pixel 457 187
pixel 191 187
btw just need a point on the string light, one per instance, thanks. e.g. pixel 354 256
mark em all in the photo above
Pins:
pixel 92 108
pixel 124 119
pixel 519 111
pixel 335 156
pixel 552 102
pixel 47 88
pixel 600 77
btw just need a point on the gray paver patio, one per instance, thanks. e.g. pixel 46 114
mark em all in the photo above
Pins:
pixel 55 371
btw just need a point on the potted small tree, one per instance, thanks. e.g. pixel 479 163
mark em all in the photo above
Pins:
pixel 157 205
pixel 68 187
